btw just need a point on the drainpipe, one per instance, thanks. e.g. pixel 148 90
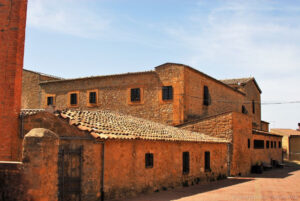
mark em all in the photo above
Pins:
pixel 102 170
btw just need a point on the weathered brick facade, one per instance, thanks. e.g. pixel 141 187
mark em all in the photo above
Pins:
pixel 113 93
pixel 12 37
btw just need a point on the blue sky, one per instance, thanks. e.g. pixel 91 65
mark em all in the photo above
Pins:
pixel 224 39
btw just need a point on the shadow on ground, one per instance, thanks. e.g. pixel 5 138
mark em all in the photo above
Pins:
pixel 289 167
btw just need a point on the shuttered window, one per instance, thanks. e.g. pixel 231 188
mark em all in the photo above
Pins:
pixel 93 97
pixel 73 99
pixel 135 95
pixel 167 92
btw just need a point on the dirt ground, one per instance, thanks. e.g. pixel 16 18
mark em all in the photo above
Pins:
pixel 275 184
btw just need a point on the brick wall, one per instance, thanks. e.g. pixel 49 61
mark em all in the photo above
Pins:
pixel 12 37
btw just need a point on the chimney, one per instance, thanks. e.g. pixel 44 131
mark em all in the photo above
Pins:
pixel 298 127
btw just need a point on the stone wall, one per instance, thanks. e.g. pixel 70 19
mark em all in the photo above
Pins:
pixel 12 37
pixel 31 90
pixel 126 174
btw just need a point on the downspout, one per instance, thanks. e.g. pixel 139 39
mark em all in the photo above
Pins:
pixel 102 171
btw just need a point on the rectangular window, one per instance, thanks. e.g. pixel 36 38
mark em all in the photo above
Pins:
pixel 92 97
pixel 249 143
pixel 149 160
pixel 167 92
pixel 253 106
pixel 268 144
pixel 279 144
pixel 244 110
pixel 275 144
pixel 206 96
pixel 271 144
pixel 259 144
pixel 185 162
pixel 207 161
pixel 73 99
pixel 50 100
pixel 135 95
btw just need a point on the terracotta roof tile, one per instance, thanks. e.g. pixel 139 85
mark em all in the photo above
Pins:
pixel 28 112
pixel 112 125
pixel 285 132
pixel 237 81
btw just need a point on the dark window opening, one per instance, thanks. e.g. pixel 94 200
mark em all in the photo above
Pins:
pixel 279 144
pixel 271 144
pixel 135 95
pixel 249 143
pixel 207 161
pixel 268 144
pixel 50 100
pixel 259 144
pixel 148 160
pixel 185 162
pixel 167 93
pixel 244 110
pixel 275 144
pixel 93 97
pixel 206 96
pixel 253 106
pixel 73 99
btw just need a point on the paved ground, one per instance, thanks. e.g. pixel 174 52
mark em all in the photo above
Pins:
pixel 276 184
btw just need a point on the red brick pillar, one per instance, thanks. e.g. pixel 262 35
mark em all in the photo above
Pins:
pixel 12 37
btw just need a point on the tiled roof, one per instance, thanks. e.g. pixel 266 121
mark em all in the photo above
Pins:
pixel 112 125
pixel 237 81
pixel 260 132
pixel 27 112
pixel 285 132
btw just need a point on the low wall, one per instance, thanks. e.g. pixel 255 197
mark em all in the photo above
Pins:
pixel 11 181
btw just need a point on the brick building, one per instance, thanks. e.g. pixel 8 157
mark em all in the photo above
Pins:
pixel 12 37
pixel 290 142
pixel 181 96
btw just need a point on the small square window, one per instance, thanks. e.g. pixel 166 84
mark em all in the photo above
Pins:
pixel 73 99
pixel 167 93
pixel 50 100
pixel 135 95
pixel 149 160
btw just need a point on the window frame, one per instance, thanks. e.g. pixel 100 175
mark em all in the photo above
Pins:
pixel 89 104
pixel 69 99
pixel 48 96
pixel 170 96
pixel 129 102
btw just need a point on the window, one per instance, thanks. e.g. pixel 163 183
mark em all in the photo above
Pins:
pixel 50 100
pixel 253 106
pixel 249 143
pixel 207 161
pixel 167 92
pixel 259 144
pixel 206 96
pixel 149 160
pixel 244 110
pixel 275 144
pixel 73 99
pixel 135 95
pixel 92 97
pixel 267 144
pixel 271 144
pixel 185 162
pixel 279 144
